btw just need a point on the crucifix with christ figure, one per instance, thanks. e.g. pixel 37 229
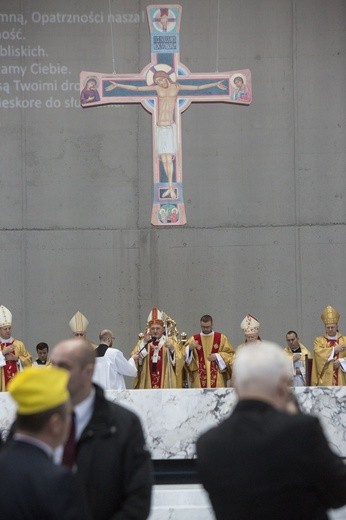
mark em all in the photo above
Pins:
pixel 165 87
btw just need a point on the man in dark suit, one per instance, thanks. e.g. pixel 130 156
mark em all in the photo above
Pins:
pixel 110 460
pixel 263 463
pixel 32 486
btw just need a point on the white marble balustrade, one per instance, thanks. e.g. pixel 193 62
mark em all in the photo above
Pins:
pixel 173 419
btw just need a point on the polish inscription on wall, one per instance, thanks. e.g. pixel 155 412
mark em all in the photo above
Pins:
pixel 35 73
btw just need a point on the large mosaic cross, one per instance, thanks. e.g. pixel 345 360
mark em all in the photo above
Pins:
pixel 165 87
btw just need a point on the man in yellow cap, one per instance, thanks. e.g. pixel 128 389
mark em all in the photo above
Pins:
pixel 32 486
pixel 158 358
pixel 329 363
pixel 13 354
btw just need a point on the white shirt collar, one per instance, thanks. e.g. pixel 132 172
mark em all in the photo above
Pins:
pixel 9 340
pixel 84 411
pixel 210 334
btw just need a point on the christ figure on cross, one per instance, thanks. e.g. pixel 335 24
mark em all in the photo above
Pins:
pixel 166 88
pixel 166 133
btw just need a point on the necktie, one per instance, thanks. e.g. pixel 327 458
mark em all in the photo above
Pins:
pixel 69 455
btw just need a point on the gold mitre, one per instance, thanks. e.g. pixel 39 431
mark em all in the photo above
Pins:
pixel 249 325
pixel 78 322
pixel 330 315
pixel 5 317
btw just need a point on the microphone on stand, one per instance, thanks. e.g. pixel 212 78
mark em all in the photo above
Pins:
pixel 151 340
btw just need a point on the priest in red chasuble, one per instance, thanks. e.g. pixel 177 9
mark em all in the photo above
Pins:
pixel 13 354
pixel 329 362
pixel 209 357
pixel 158 358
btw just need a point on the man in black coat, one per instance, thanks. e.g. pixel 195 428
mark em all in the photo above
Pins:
pixel 32 486
pixel 111 460
pixel 263 463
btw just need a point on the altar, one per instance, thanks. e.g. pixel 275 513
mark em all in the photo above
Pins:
pixel 172 421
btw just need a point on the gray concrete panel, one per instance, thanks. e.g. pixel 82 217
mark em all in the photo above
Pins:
pixel 12 205
pixel 226 273
pixel 74 161
pixel 321 137
pixel 12 278
pixel 93 272
pixel 323 253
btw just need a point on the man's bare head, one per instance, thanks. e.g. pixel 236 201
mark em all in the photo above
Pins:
pixel 106 336
pixel 78 357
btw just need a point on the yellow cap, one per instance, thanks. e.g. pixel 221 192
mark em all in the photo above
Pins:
pixel 330 315
pixel 36 390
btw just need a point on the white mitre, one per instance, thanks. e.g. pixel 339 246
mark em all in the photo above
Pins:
pixel 78 323
pixel 250 325
pixel 5 317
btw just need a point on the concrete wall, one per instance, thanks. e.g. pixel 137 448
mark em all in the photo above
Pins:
pixel 264 184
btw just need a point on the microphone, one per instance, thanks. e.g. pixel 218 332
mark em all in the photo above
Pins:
pixel 151 340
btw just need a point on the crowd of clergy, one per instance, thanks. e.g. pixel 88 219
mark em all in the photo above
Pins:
pixel 165 358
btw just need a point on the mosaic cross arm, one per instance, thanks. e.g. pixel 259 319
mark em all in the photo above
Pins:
pixel 165 87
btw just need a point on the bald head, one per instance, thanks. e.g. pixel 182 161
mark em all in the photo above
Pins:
pixel 77 348
pixel 106 336
pixel 78 357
